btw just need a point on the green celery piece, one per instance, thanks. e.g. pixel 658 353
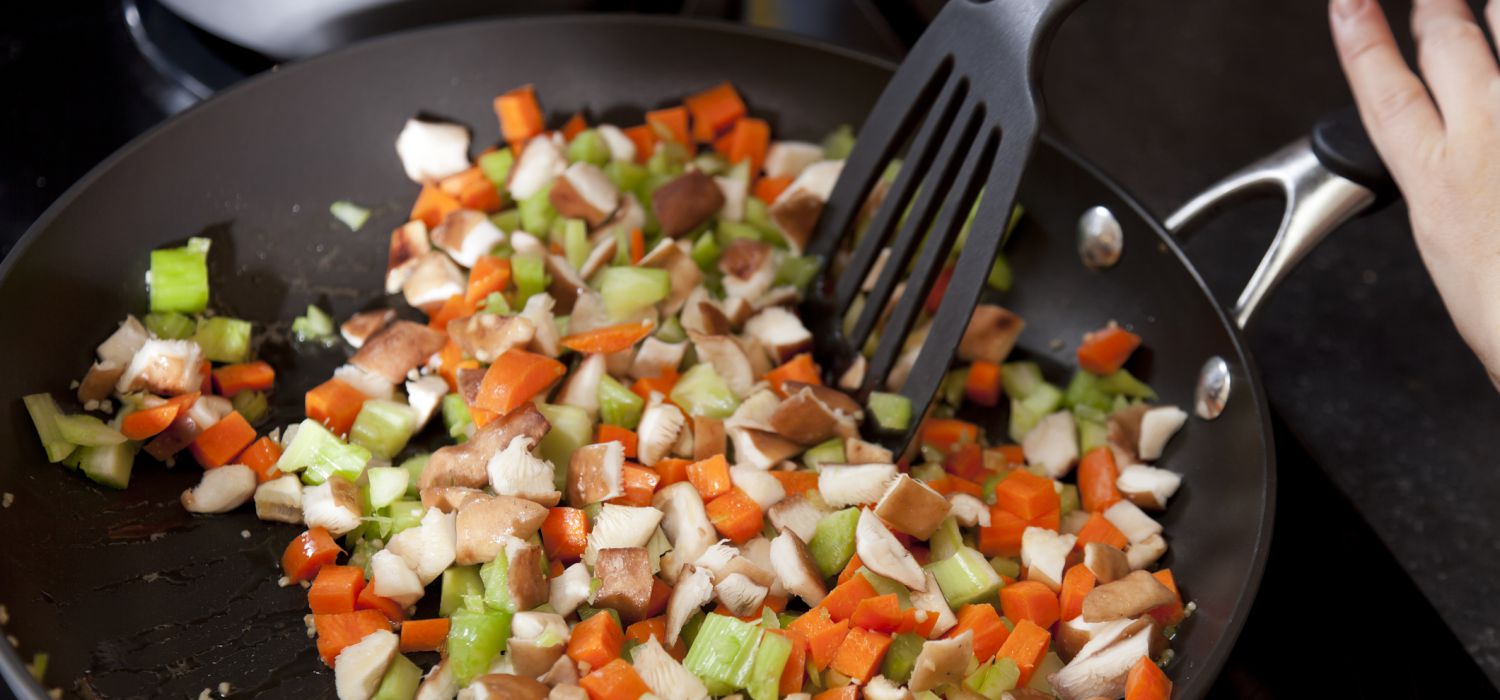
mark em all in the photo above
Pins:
pixel 386 485
pixel 702 392
pixel 456 418
pixel 691 627
pixel 496 167
pixel 627 176
pixel 319 454
pixel 405 514
pixel 224 339
pixel 1122 382
pixel 723 653
pixel 530 274
pixel 414 467
pixel 571 429
pixel 827 452
pixel 459 581
pixel 758 214
pixel 109 465
pixel 706 252
pixel 400 680
pixel 507 221
pixel 74 458
pixel 951 390
pixel 576 242
pixel 1083 390
pixel 252 405
pixel 965 577
pixel 383 427
pixel 1016 215
pixel 622 247
pixel 87 431
pixel 1001 277
pixel 315 326
pixel 1006 566
pixel 1024 413
pixel 1021 378
pixel 170 326
pixel 711 163
pixel 765 670
pixel 930 471
pixel 627 290
pixel 44 415
pixel 588 146
pixel 1067 499
pixel 891 412
pixel 769 620
pixel 994 679
pixel 474 640
pixel 1091 433
pixel 797 271
pixel 671 331
pixel 832 543
pixel 537 212
pixel 618 405
pixel 901 657
pixel 495 574
pixel 730 231
pixel 838 144
pixel 886 586
pixel 361 551
pixel 947 540
pixel 1051 663
pixel 669 159
pixel 349 214
pixel 38 666
pixel 495 303
pixel 786 619
pixel 179 278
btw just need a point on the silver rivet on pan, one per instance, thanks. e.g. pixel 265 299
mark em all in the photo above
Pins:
pixel 1100 239
pixel 1212 393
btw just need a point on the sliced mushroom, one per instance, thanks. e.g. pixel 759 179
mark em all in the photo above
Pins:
pixel 655 357
pixel 933 603
pixel 795 568
pixel 761 449
pixel 1128 597
pixel 694 589
pixel 167 367
pixel 1101 666
pixel 99 382
pixel 279 500
pixel 620 146
pixel 621 526
pixel 790 158
pixel 546 339
pixel 784 295
pixel 528 655
pixel 358 668
pixel 664 675
pixel 484 524
pixel 710 320
pixel 969 511
pixel 526 577
pixel 364 324
pixel 1053 444
pixel 596 473
pixel 780 331
pixel 566 690
pixel 467 235
pixel 1125 431
pixel 754 412
pixel 857 451
pixel 795 214
pixel 625 582
pixel 584 192
pixel 708 437
pixel 1145 553
pixel 807 420
pixel 449 499
pixel 991 334
pixel 541 161
pixel 883 554
pixel 854 377
pixel 763 488
pixel 1106 562
pixel 749 268
pixel 716 558
pixel 942 662
pixel 432 150
pixel 1044 555
pixel 566 286
pixel 727 359
pixel 600 257
pixel 660 426
pixel 514 471
pixel 432 280
pixel 409 243
pixel 486 336
pixel 912 507
pixel 467 464
pixel 1148 487
pixel 686 523
pixel 429 548
pixel 581 388
pixel 221 490
pixel 569 589
pixel 1073 634
pixel 685 275
pixel 394 579
pixel 398 349
pixel 740 595
pixel 124 343
pixel 684 202
pixel 1073 522
pixel 506 686
pixel 425 394
pixel 629 216
pixel 854 484
pixel 797 515
pixel 755 563
pixel 438 684
pixel 1132 521
pixel 911 350
pixel 1158 425
pixel 332 505
pixel 882 688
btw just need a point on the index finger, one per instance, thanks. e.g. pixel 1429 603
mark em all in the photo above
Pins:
pixel 1397 111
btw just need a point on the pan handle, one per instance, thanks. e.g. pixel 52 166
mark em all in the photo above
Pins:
pixel 1327 177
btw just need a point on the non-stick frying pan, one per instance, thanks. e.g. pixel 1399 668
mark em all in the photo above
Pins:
pixel 130 596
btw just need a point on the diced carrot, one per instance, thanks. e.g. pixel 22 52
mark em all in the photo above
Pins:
pixel 617 680
pixel 798 369
pixel 673 122
pixel 643 631
pixel 713 110
pixel 454 307
pixel 881 613
pixel 424 635
pixel 843 692
pixel 1100 529
pixel 261 456
pixel 640 486
pixel 516 377
pixel 748 141
pixel 767 189
pixel 490 274
pixel 984 622
pixel 481 417
pixel 1029 600
pixel 796 483
pixel 1051 520
pixel 596 641
pixel 983 386
pixel 661 594
pixel 449 359
pixel 335 404
pixel 339 630
pixel 147 422
pixel 672 470
pixel 1076 584
pixel 860 654
pixel 1026 495
pixel 249 376
pixel 1096 480
pixel 1105 351
pixel 850 569
pixel 368 600
pixel 637 246
pixel 644 139
pixel 1012 455
pixel 939 288
pixel 223 441
pixel 335 589
pixel 795 668
pixel 955 484
pixel 1026 646
pixel 966 461
pixel 614 433
pixel 433 205
pixel 844 598
pixel 947 434
pixel 736 516
pixel 519 113
pixel 1171 613
pixel 306 554
pixel 206 374
pixel 1147 682
pixel 710 477
pixel 662 384
pixel 554 568
pixel 824 643
pixel 574 126
pixel 472 190
pixel 1002 537
pixel 565 533
pixel 603 341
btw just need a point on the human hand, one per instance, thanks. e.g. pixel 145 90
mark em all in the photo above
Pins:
pixel 1441 143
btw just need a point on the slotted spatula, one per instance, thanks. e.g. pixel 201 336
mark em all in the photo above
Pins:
pixel 967 101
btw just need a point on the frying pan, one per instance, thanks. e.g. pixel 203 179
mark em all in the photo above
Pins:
pixel 132 597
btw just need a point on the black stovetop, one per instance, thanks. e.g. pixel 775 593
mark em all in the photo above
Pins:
pixel 1382 417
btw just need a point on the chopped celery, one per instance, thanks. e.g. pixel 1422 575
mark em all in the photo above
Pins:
pixel 765 671
pixel 671 331
pixel 1021 378
pixel 618 405
pixel 723 653
pixel 362 550
pixel 320 454
pixel 702 392
pixel 252 405
pixel 886 586
pixel 87 431
pixel 576 242
pixel 1068 499
pixel 1083 390
pixel 691 627
pixel 400 680
pixel 706 252
pixel 1051 663
pixel 38 666
pixel 530 273
pixel 350 214
pixel 829 452
pixel 890 411
pixel 730 231
pixel 458 581
pixel 537 212
pixel 622 247
pixel 74 458
pixel 495 303
pixel 1001 277
pixel 383 427
pixel 571 429
pixel 495 574
pixel 1091 433
pixel 496 167
pixel 947 540
pixel 993 679
pixel 711 163
pixel 951 390
pixel 507 221
pixel 1024 413
pixel 990 482
pixel 414 467
pixel 44 415
pixel 171 326
pixel 456 418
pixel 901 657
pixel 965 577
pixel 838 144
pixel 832 543
pixel 1006 566
pixel 405 514
pixel 1124 383
pixel 797 271
pixel 627 176
pixel 386 485
pixel 627 290
pixel 1015 220
pixel 179 278
pixel 588 146
pixel 474 640
pixel 315 326
pixel 769 620
pixel 224 339
pixel 758 214
pixel 932 470
pixel 668 160
pixel 108 465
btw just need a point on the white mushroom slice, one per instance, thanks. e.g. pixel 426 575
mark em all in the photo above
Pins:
pixel 438 684
pixel 332 505
pixel 122 345
pixel 526 244
pixel 99 382
pixel 629 216
pixel 581 389
pixel 655 357
pixel 1125 598
pixel 432 150
pixel 797 515
pixel 784 295
pixel 1044 554
pixel 221 490
pixel 208 410
pixel 600 256
pixel 584 192
pixel 942 662
pixel 1101 666
pixel 394 579
pixel 621 527
pixel 857 451
pixel 881 688
pixel 1148 487
pixel 664 676
pixel 569 589
pixel 430 547
pixel 467 235
pixel 694 589
pixel 409 243
pixel 933 602
pixel 755 411
pixel 1158 426
pixel 620 146
pixel 818 178
pixel 780 331
pixel 596 473
pixel 795 212
pixel 514 471
pixel 740 595
pixel 991 334
pixel 760 449
pixel 425 394
pixel 368 383
pixel 545 340
pixel 757 554
pixel 716 558
pixel 1053 444
pixel 660 425
pixel 912 507
pixel 359 327
pixel 541 161
pixel 749 268
pixel 854 484
pixel 1073 522
pixel 969 510
pixel 1145 553
pixel 279 500
pixel 735 191
pixel 760 486
pixel 883 554
pixel 359 667
pixel 433 279
pixel 1132 521
pixel 790 158
pixel 1105 562
pixel 686 523
pixel 567 691
pixel 727 359
pixel 795 569
pixel 166 367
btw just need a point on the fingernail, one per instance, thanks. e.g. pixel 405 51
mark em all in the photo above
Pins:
pixel 1348 8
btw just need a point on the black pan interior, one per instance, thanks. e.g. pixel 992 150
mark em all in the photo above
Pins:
pixel 130 597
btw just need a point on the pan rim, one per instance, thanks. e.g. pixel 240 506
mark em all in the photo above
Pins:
pixel 13 669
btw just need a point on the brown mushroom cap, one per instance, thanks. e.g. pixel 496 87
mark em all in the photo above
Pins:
pixel 1125 428
pixel 1106 562
pixel 100 381
pixel 526 577
pixel 450 499
pixel 761 449
pixel 531 659
pixel 795 215
pixel 685 275
pixel 728 360
pixel 408 243
pixel 505 686
pixel 991 334
pixel 836 400
pixel 805 419
pixel 912 507
pixel 1126 598
pixel 566 286
pixel 625 582
pixel 484 525
pixel 361 326
pixel 684 202
pixel 708 437
pixel 398 349
pixel 485 336
pixel 596 473
pixel 466 464
pixel 571 203
pixel 796 570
